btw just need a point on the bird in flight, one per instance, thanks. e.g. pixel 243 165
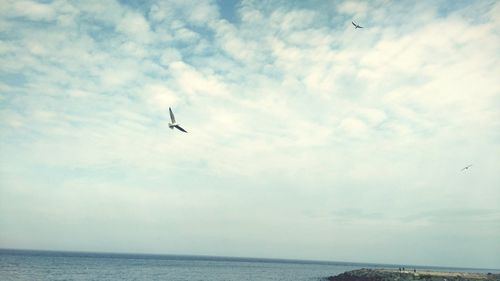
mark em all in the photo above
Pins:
pixel 356 25
pixel 466 168
pixel 174 124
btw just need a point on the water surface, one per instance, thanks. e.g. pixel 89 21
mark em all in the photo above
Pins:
pixel 48 265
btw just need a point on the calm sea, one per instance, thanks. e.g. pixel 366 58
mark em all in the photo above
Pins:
pixel 45 265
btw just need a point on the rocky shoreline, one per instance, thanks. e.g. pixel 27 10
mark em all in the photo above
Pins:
pixel 397 275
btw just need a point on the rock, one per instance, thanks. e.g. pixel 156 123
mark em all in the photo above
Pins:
pixel 395 275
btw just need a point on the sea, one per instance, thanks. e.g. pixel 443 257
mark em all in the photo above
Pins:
pixel 52 265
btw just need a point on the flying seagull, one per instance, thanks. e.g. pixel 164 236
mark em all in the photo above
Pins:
pixel 174 124
pixel 356 25
pixel 466 168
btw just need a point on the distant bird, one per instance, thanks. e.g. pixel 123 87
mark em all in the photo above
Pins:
pixel 174 124
pixel 466 168
pixel 356 25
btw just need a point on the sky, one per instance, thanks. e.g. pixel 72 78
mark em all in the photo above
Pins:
pixel 308 139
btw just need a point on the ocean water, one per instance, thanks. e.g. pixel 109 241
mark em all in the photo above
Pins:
pixel 45 265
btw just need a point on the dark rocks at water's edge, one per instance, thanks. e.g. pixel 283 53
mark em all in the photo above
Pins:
pixel 397 275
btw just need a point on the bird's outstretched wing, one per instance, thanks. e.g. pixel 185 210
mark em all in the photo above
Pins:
pixel 172 118
pixel 180 128
pixel 359 26
pixel 467 167
pixel 354 23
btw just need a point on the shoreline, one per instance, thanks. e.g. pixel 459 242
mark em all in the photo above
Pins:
pixel 386 274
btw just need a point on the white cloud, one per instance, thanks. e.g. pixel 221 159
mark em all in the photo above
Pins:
pixel 169 56
pixel 30 10
pixel 293 20
pixel 193 82
pixel 373 116
pixel 353 7
pixel 134 25
pixel 134 49
pixel 185 35
pixel 354 127
pixel 160 96
pixel 197 13
pixel 230 40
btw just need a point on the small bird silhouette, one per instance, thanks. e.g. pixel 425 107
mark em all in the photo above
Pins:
pixel 356 25
pixel 174 124
pixel 466 168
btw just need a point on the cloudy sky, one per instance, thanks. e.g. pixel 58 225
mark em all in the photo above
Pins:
pixel 307 139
